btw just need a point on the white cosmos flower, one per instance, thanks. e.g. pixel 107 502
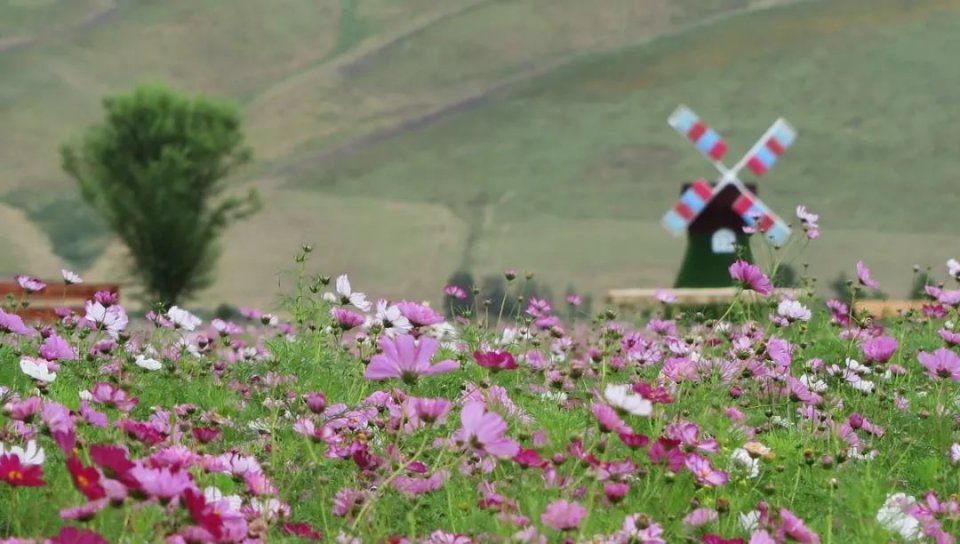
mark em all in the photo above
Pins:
pixel 183 319
pixel 389 317
pixel 792 310
pixel 348 295
pixel 953 268
pixel 955 453
pixel 742 461
pixel 623 397
pixel 147 363
pixel 864 386
pixel 813 384
pixel 70 277
pixel 114 319
pixel 749 521
pixel 37 370
pixel 32 455
pixel 892 517
pixel 213 494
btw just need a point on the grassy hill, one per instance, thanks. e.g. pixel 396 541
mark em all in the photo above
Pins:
pixel 407 139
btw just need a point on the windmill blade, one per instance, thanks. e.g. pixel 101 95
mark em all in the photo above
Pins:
pixel 769 147
pixel 756 214
pixel 704 138
pixel 691 203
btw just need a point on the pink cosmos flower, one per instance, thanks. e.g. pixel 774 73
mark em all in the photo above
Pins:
pixel 431 409
pixel 701 516
pixel 163 483
pixel 942 363
pixel 407 358
pixel 665 296
pixel 485 432
pixel 615 491
pixel 495 360
pixel 809 222
pixel 316 401
pixel 346 319
pixel 864 274
pixel 750 277
pixel 879 349
pixel 419 315
pixel 704 472
pixel 14 323
pixel 455 291
pixel 22 410
pixel 950 337
pixel 609 420
pixel 563 516
pixel 792 529
pixel 30 284
pixel 55 348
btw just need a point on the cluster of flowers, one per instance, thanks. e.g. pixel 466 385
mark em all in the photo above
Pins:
pixel 423 405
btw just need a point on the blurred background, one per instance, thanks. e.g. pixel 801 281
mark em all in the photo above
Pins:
pixel 411 140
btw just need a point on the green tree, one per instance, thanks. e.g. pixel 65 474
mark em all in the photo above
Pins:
pixel 155 168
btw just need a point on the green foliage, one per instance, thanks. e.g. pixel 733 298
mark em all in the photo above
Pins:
pixel 921 279
pixel 156 169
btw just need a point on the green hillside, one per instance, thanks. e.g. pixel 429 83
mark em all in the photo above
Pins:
pixel 407 139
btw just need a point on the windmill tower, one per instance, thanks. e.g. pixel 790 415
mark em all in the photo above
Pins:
pixel 715 215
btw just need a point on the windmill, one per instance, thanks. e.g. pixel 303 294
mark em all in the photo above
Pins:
pixel 714 215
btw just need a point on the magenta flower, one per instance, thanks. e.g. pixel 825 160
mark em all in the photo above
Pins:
pixel 750 277
pixel 879 349
pixel 563 516
pixel 941 364
pixel 864 274
pixel 407 358
pixel 485 432
pixel 316 401
pixel 346 319
pixel 704 472
pixel 495 360
pixel 609 420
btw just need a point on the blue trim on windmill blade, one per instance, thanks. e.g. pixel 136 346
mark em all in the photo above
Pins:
pixel 784 134
pixel 693 201
pixel 707 141
pixel 766 156
pixel 778 233
pixel 753 212
pixel 684 121
pixel 673 222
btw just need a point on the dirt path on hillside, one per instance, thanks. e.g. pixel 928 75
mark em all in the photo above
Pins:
pixel 510 83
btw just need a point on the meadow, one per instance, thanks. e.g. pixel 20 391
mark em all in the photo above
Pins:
pixel 358 419
pixel 528 134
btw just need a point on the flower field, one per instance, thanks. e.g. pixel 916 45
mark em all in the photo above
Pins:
pixel 357 420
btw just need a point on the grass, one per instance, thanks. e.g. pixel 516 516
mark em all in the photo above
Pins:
pixel 838 500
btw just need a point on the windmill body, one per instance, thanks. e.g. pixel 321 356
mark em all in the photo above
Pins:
pixel 716 215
